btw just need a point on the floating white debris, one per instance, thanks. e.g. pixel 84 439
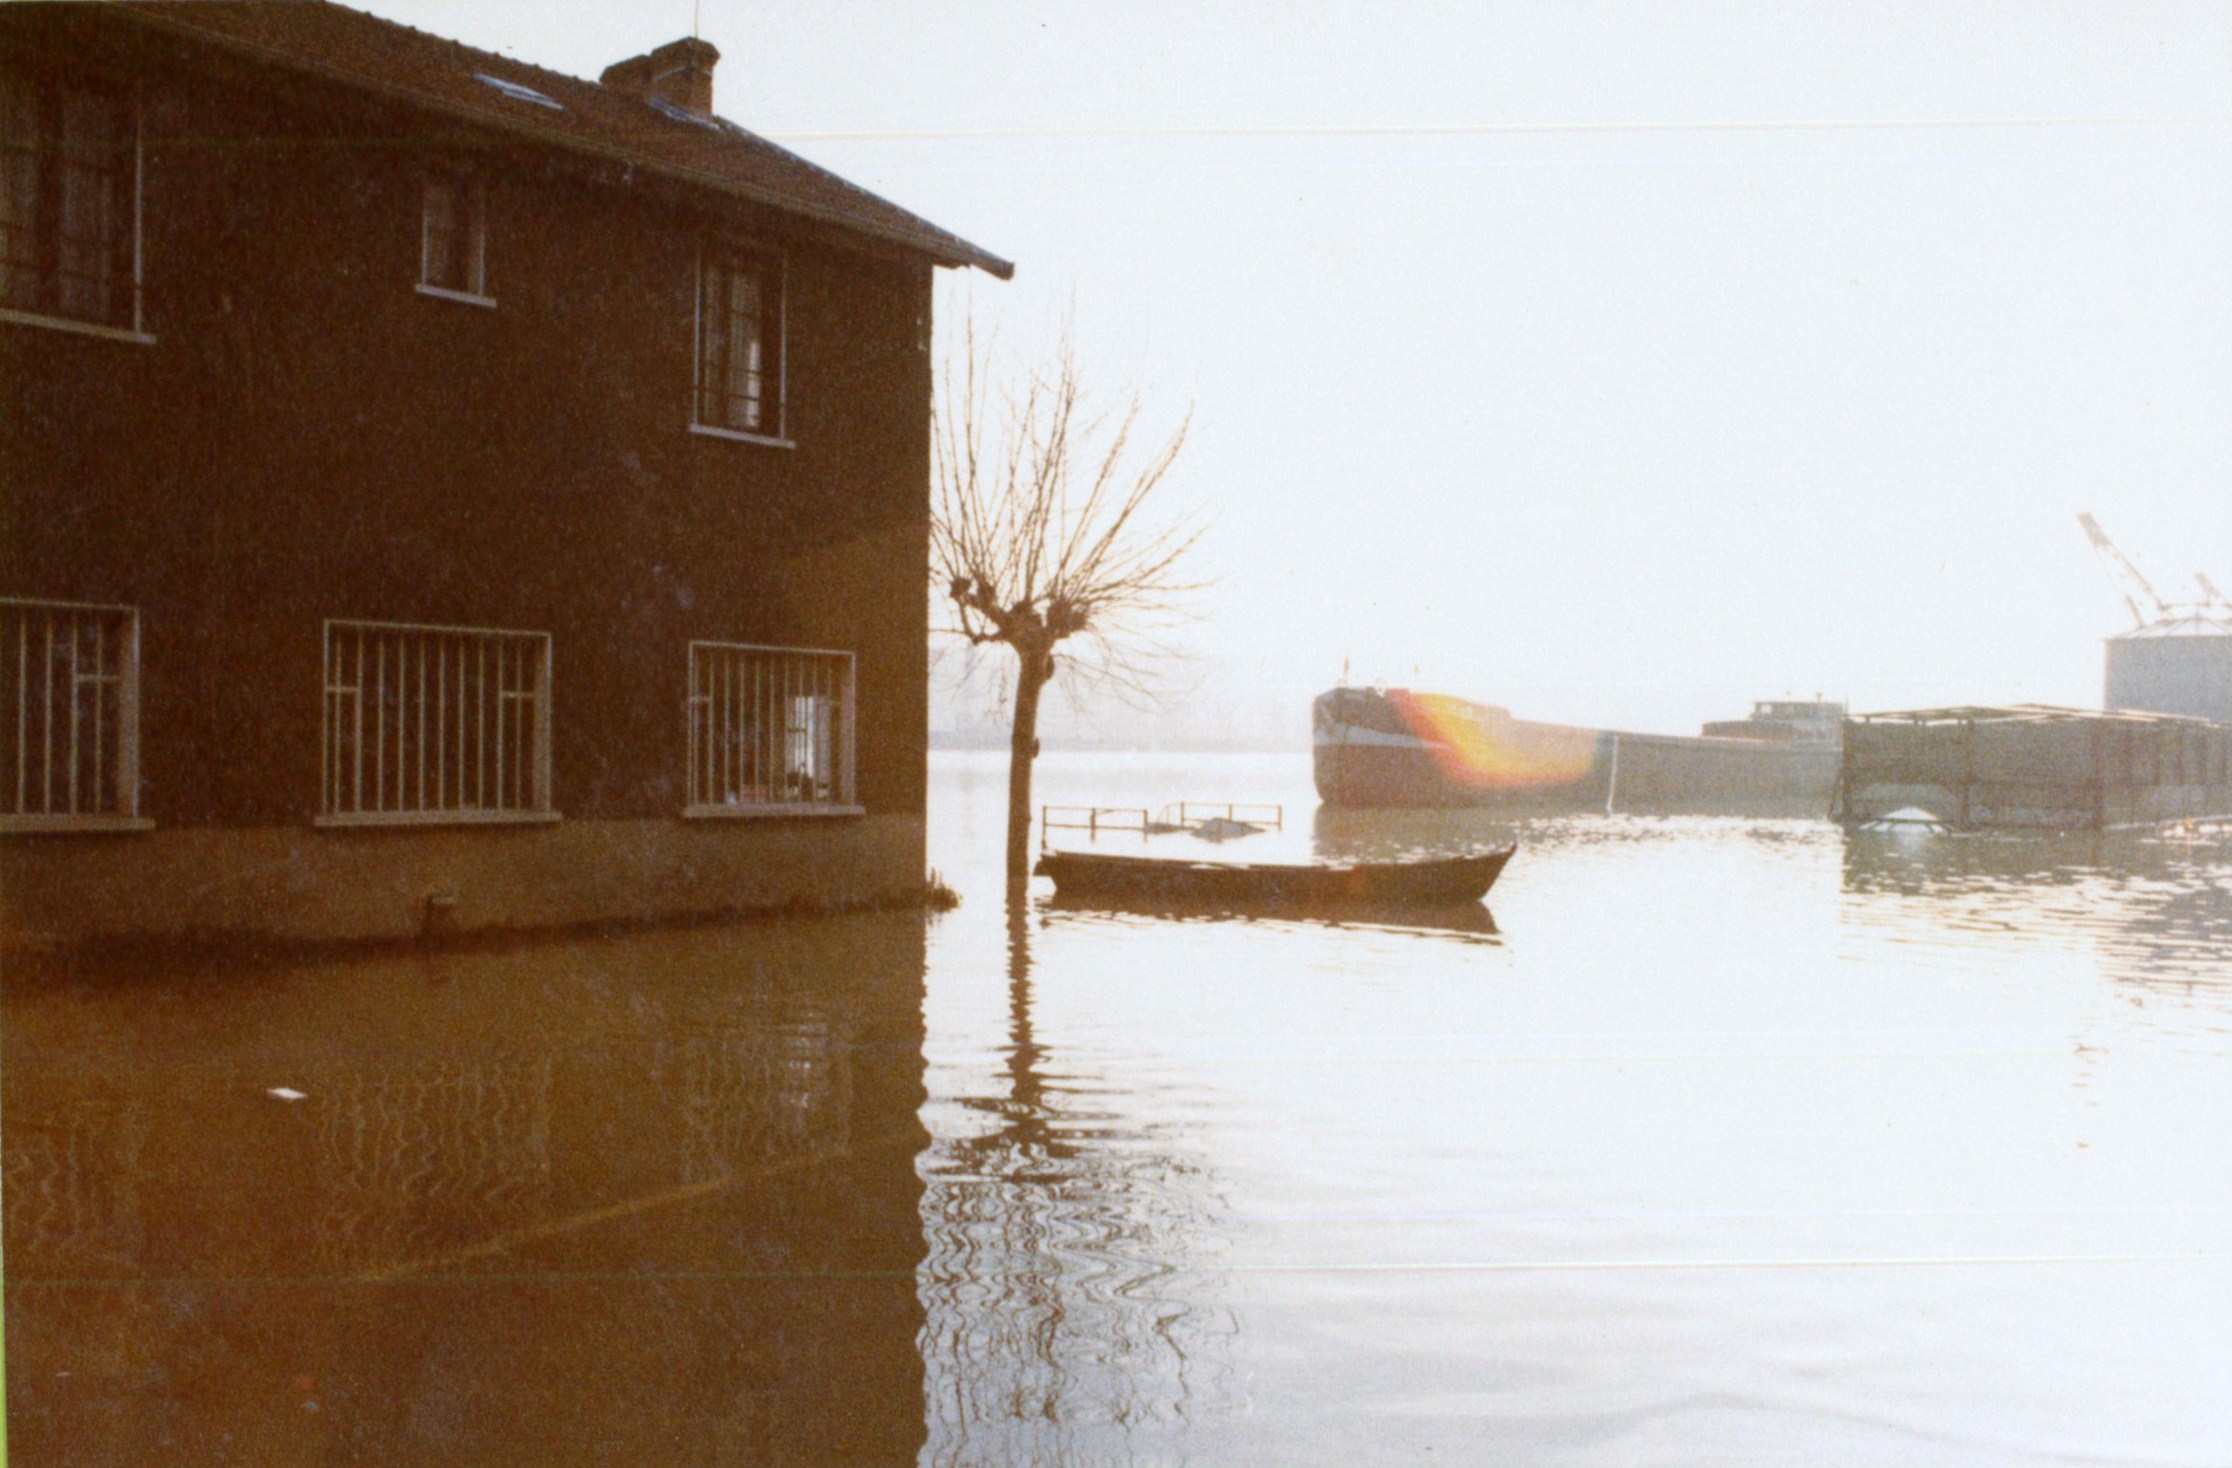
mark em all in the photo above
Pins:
pixel 288 1093
pixel 1905 818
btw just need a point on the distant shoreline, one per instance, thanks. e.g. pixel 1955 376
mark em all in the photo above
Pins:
pixel 943 743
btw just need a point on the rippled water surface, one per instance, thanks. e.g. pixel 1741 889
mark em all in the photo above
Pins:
pixel 1725 1142
pixel 1739 1142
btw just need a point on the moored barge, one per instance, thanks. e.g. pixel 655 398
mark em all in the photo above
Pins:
pixel 1400 747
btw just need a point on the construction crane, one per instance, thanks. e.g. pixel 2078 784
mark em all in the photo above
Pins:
pixel 2138 594
pixel 2209 591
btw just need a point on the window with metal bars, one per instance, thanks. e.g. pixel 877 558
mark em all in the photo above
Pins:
pixel 428 724
pixel 453 237
pixel 69 201
pixel 69 728
pixel 771 730
pixel 740 344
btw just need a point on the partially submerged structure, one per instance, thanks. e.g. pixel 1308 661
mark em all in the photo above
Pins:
pixel 2032 765
pixel 442 491
pixel 2159 749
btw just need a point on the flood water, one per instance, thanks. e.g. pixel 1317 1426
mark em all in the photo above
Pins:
pixel 1729 1142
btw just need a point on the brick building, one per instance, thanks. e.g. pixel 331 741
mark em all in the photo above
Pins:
pixel 434 490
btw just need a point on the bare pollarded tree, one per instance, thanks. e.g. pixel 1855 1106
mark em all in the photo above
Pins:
pixel 1041 534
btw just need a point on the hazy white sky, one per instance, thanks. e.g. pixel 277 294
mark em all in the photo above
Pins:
pixel 1619 362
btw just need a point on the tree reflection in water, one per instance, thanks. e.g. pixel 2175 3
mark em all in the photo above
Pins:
pixel 1068 1300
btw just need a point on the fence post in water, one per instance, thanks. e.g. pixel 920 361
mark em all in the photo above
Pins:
pixel 1968 768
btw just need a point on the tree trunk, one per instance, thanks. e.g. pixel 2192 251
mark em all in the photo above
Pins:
pixel 1032 672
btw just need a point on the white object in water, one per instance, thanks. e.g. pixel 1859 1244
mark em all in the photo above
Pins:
pixel 1905 818
pixel 288 1093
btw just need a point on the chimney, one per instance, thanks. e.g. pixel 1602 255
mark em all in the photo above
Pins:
pixel 680 73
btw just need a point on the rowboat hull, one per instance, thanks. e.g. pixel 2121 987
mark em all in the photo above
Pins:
pixel 1433 882
pixel 1468 919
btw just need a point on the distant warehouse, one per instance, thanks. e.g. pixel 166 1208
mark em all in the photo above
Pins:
pixel 2178 664
pixel 2031 765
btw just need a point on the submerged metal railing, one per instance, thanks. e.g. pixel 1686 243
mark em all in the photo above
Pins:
pixel 1093 818
pixel 1187 814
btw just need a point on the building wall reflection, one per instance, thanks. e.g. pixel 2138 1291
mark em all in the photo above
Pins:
pixel 646 1199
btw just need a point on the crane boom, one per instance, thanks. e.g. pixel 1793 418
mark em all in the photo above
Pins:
pixel 2133 587
pixel 2208 589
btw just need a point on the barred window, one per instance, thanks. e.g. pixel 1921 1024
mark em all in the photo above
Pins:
pixel 453 237
pixel 428 724
pixel 740 344
pixel 69 201
pixel 771 730
pixel 69 728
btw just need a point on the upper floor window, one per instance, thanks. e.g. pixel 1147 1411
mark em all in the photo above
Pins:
pixel 740 344
pixel 69 201
pixel 453 238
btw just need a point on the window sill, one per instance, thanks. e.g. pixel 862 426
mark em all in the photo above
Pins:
pixel 388 819
pixel 71 825
pixel 765 809
pixel 81 328
pixel 737 435
pixel 444 293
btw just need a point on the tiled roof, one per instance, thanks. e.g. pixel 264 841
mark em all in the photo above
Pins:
pixel 395 61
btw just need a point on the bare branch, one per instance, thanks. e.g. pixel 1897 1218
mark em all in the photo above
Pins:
pixel 1043 529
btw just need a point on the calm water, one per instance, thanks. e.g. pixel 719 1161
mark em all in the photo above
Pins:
pixel 1734 1142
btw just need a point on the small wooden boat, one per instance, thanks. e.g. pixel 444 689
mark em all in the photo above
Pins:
pixel 1427 882
pixel 1464 919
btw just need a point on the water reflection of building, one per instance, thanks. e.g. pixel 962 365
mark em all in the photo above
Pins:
pixel 651 1199
pixel 1069 1317
pixel 70 1183
pixel 472 1131
pixel 755 1100
pixel 414 1157
pixel 2156 911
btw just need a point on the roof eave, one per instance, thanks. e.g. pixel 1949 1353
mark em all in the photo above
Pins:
pixel 951 251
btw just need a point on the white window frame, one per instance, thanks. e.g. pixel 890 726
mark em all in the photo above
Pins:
pixel 116 662
pixel 778 269
pixel 733 685
pixel 472 202
pixel 426 673
pixel 137 331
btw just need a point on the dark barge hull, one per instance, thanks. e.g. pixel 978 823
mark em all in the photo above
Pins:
pixel 1431 883
pixel 1396 748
